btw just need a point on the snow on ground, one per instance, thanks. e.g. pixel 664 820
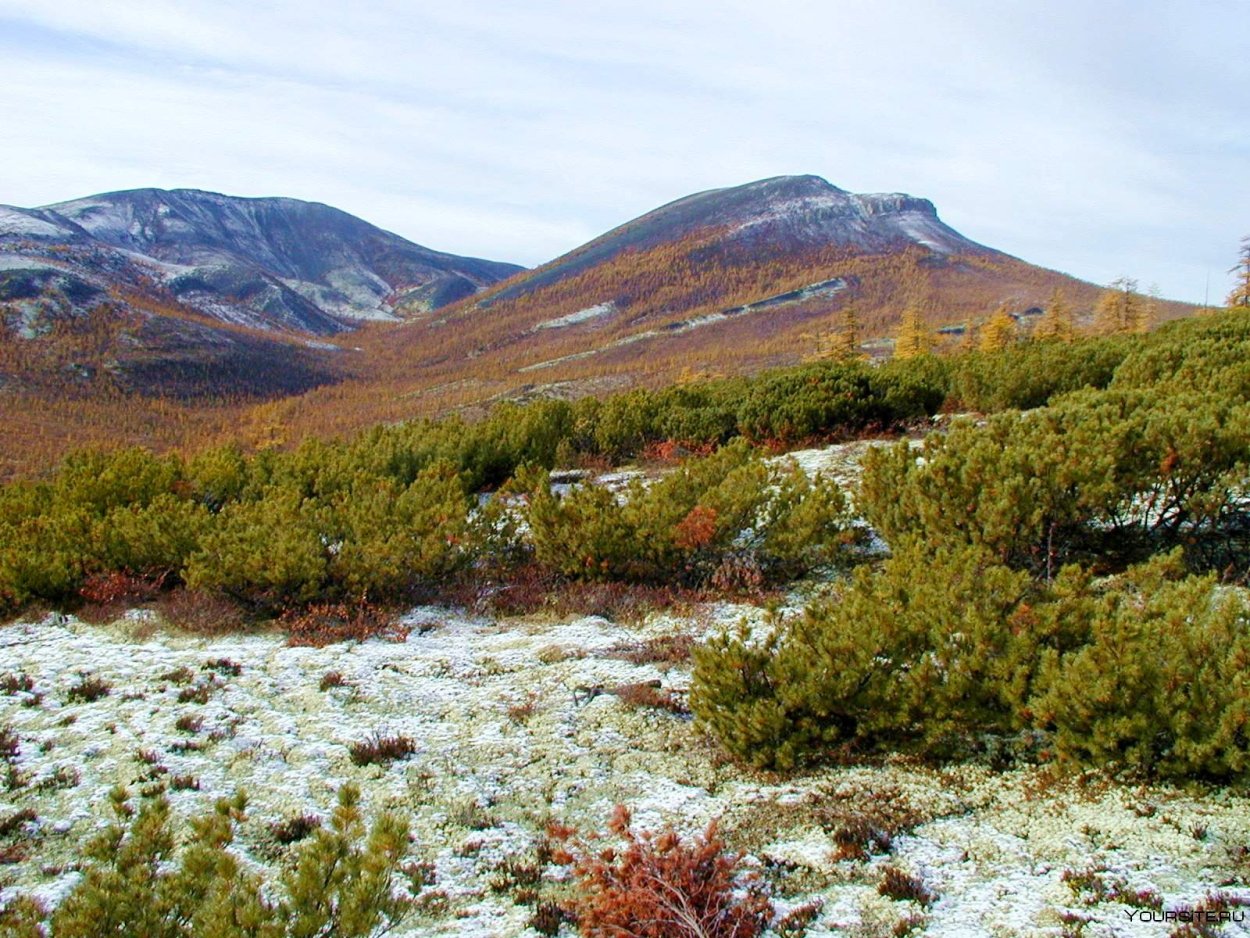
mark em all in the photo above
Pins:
pixel 17 222
pixel 590 313
pixel 509 733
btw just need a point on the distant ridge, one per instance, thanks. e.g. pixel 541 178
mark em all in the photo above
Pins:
pixel 269 263
pixel 275 319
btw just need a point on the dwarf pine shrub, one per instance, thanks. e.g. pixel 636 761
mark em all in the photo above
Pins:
pixel 922 653
pixel 683 526
pixel 1162 683
pixel 139 879
pixel 1118 473
pixel 1146 672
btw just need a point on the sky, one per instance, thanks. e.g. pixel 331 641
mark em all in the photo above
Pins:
pixel 1101 138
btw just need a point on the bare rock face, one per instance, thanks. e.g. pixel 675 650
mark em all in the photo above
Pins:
pixel 272 263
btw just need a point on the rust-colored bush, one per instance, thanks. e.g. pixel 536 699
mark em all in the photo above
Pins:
pixel 661 650
pixel 657 885
pixel 697 529
pixel 107 589
pixel 647 695
pixel 901 886
pixel 533 587
pixel 328 623
pixel 381 750
pixel 201 612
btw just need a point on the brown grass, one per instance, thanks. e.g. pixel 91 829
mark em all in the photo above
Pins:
pixel 663 650
pixel 201 613
pixel 648 695
pixel 88 689
pixel 901 886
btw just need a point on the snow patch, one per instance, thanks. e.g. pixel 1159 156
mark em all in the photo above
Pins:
pixel 589 314
pixel 15 222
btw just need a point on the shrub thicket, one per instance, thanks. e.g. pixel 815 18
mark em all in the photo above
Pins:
pixel 387 512
pixel 685 526
pixel 1095 473
pixel 1045 584
pixel 935 653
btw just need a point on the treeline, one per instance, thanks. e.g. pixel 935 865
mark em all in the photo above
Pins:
pixel 1054 588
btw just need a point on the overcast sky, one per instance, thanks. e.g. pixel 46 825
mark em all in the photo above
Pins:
pixel 1100 138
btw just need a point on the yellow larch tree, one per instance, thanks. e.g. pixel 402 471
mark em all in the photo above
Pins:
pixel 1056 322
pixel 999 332
pixel 914 336
pixel 1239 298
pixel 1121 310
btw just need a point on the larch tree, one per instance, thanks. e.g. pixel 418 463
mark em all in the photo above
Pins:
pixel 1056 322
pixel 970 338
pixel 1121 310
pixel 999 332
pixel 1239 298
pixel 844 342
pixel 914 337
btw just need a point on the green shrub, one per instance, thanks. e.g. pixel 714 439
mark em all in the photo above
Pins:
pixel 98 482
pixel 271 552
pixel 926 653
pixel 684 525
pixel 1162 685
pixel 798 404
pixel 391 537
pixel 1097 472
pixel 44 556
pixel 137 880
pixel 934 653
pixel 218 476
pixel 1032 374
pixel 154 539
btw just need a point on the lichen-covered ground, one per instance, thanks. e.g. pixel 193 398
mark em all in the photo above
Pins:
pixel 506 739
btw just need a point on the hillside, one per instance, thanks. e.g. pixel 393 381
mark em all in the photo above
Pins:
pixel 271 263
pixel 123 309
pixel 150 316
pixel 723 282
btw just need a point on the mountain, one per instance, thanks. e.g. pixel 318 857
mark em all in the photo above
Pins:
pixel 720 282
pixel 790 213
pixel 151 315
pixel 272 263
pixel 233 306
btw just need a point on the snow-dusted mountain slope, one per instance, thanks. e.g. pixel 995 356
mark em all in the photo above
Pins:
pixel 270 263
pixel 785 213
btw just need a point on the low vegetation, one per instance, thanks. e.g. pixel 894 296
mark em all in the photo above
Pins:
pixel 1064 583
pixel 1055 581
pixel 657 885
pixel 139 880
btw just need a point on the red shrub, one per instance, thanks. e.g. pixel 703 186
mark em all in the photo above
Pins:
pixel 117 587
pixel 675 450
pixel 327 623
pixel 696 529
pixel 659 886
